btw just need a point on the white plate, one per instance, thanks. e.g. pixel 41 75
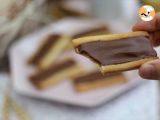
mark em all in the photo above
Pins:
pixel 64 92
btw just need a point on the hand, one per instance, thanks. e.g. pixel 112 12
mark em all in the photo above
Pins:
pixel 150 70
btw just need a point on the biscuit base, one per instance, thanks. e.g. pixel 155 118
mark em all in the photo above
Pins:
pixel 125 66
pixel 89 86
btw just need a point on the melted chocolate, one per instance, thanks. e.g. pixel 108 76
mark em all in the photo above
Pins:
pixel 118 51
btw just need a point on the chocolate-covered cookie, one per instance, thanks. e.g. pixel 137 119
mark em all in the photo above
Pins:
pixel 117 52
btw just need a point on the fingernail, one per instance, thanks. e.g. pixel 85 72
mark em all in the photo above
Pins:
pixel 148 71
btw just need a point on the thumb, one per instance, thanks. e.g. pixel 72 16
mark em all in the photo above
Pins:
pixel 150 70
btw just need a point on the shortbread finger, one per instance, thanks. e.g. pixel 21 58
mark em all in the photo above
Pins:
pixel 117 52
pixel 56 73
pixel 49 50
pixel 49 41
pixel 95 80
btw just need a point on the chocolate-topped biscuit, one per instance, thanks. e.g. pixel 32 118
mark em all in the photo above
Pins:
pixel 49 50
pixel 56 73
pixel 95 80
pixel 117 52
pixel 44 48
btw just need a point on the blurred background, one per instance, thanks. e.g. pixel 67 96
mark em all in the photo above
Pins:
pixel 35 46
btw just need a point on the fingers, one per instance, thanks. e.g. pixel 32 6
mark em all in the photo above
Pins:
pixel 155 38
pixel 150 26
pixel 150 70
pixel 153 27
